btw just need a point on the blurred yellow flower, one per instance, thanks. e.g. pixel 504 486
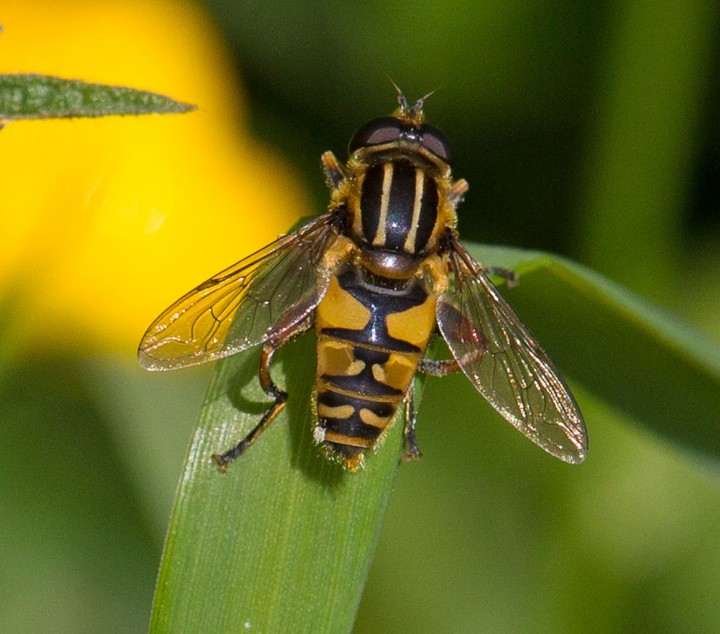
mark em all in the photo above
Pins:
pixel 106 221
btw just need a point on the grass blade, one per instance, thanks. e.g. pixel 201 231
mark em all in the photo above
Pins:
pixel 283 540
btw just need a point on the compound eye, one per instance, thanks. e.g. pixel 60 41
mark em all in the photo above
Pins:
pixel 376 132
pixel 436 142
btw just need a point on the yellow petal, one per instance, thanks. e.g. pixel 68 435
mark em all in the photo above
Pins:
pixel 106 221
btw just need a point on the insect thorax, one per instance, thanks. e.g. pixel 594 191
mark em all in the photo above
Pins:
pixel 396 208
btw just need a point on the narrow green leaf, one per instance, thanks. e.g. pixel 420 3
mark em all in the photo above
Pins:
pixel 30 96
pixel 283 541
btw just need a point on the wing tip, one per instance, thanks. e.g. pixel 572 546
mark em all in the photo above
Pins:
pixel 576 455
pixel 574 458
pixel 147 362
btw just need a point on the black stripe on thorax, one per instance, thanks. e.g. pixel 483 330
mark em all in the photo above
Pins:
pixel 398 206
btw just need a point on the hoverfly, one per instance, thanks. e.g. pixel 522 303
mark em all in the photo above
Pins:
pixel 376 275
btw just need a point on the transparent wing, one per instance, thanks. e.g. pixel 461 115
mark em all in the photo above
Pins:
pixel 275 287
pixel 505 362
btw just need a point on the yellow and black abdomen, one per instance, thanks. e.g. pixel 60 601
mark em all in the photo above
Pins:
pixel 370 340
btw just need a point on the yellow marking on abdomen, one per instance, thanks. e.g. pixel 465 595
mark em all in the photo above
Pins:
pixel 415 324
pixel 399 370
pixel 339 411
pixel 335 358
pixel 325 386
pixel 339 309
pixel 378 372
pixel 350 441
pixel 372 419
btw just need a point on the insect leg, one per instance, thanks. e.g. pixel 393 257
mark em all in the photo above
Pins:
pixel 464 330
pixel 431 367
pixel 438 367
pixel 334 174
pixel 280 398
pixel 443 367
pixel 268 385
pixel 412 451
pixel 457 192
pixel 510 276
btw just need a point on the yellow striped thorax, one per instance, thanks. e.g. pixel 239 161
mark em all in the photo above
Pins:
pixel 397 192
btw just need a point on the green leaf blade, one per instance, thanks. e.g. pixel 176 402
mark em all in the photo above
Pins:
pixel 32 96
pixel 284 539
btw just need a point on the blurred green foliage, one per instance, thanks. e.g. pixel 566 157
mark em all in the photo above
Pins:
pixel 584 128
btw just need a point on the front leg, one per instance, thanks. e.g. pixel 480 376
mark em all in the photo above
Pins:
pixel 334 173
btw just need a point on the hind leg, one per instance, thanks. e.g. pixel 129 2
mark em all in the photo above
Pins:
pixel 431 367
pixel 412 451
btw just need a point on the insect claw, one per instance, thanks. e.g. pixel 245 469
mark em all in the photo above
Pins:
pixel 511 278
pixel 354 463
pixel 413 453
pixel 221 463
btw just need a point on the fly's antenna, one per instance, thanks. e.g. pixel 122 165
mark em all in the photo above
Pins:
pixel 412 113
pixel 402 101
pixel 416 112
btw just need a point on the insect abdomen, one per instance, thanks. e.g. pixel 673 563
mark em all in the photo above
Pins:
pixel 370 340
